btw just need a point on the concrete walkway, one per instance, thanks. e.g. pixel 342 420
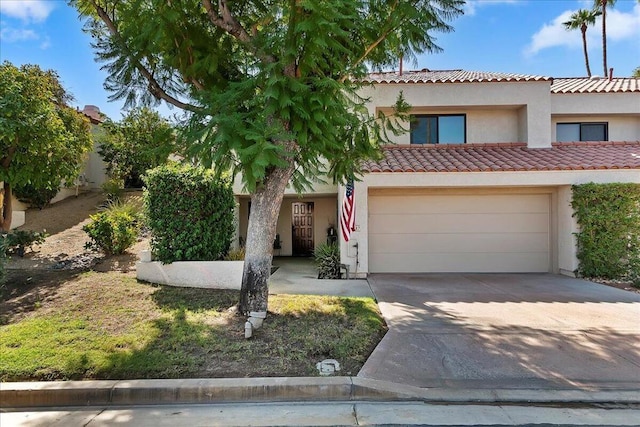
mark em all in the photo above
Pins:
pixel 506 331
pixel 299 276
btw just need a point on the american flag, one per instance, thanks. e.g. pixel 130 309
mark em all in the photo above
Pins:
pixel 348 212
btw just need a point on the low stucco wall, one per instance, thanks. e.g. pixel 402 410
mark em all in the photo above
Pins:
pixel 195 274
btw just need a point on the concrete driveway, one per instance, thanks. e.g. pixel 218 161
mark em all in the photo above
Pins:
pixel 509 331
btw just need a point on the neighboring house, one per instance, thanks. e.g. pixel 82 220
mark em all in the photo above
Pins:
pixel 482 182
pixel 92 176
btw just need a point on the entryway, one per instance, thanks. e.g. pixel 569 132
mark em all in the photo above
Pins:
pixel 302 228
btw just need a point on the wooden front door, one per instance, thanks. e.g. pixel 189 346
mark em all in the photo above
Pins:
pixel 302 228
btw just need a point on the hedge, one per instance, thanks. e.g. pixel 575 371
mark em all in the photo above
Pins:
pixel 190 213
pixel 609 238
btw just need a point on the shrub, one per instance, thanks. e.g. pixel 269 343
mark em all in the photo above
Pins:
pixel 38 197
pixel 235 255
pixel 190 213
pixel 115 229
pixel 609 238
pixel 18 241
pixel 113 189
pixel 327 258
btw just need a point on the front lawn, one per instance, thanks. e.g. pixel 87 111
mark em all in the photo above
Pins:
pixel 109 326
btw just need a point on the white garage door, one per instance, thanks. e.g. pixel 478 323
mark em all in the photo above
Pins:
pixel 459 232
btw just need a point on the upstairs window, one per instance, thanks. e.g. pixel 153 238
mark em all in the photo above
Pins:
pixel 569 132
pixel 438 129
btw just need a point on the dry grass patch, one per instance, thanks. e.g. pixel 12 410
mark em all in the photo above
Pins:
pixel 109 326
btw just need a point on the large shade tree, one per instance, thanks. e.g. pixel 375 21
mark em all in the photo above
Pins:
pixel 141 140
pixel 42 139
pixel 270 86
pixel 581 20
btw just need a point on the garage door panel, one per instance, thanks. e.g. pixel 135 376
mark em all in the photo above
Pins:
pixel 458 204
pixel 463 243
pixel 458 223
pixel 488 262
pixel 459 233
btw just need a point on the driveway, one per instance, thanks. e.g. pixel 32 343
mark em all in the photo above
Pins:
pixel 510 331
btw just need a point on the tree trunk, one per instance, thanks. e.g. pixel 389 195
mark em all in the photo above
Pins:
pixel 261 232
pixel 7 208
pixel 584 48
pixel 604 37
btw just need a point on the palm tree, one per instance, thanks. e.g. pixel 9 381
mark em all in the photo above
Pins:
pixel 582 19
pixel 636 72
pixel 602 5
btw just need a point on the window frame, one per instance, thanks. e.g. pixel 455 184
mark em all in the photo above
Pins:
pixel 580 124
pixel 437 117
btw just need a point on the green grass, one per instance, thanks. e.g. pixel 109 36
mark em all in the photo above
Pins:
pixel 108 326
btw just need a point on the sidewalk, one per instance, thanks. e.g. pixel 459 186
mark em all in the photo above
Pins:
pixel 323 414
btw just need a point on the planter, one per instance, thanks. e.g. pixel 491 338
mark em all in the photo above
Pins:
pixel 193 274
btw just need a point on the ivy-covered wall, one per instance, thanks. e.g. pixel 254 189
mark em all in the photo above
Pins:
pixel 608 240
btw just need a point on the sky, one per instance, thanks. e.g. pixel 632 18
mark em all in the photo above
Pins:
pixel 511 36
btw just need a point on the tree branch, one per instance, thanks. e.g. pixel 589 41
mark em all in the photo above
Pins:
pixel 373 45
pixel 228 23
pixel 154 87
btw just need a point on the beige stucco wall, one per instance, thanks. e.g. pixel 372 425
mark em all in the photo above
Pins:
pixel 324 214
pixel 529 100
pixel 621 127
pixel 596 103
pixel 563 225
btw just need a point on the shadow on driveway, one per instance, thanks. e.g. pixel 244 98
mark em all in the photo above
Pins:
pixel 514 331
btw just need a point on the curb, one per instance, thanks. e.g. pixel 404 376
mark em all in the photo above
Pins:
pixel 282 389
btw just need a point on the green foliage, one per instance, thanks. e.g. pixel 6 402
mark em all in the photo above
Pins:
pixel 18 241
pixel 34 196
pixel 113 189
pixel 115 229
pixel 235 255
pixel 268 84
pixel 609 237
pixel 327 259
pixel 190 213
pixel 42 141
pixel 142 140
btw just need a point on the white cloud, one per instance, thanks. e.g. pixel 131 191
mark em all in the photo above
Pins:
pixel 27 10
pixel 471 6
pixel 11 35
pixel 554 34
pixel 620 26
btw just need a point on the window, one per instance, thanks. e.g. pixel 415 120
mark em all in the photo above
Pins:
pixel 438 129
pixel 569 132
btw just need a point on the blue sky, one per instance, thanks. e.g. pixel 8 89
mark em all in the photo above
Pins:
pixel 517 36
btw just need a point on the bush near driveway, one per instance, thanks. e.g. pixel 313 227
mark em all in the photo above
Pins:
pixel 609 238
pixel 108 326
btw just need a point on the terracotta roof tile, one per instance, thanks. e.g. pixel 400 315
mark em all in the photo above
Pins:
pixel 450 76
pixel 595 85
pixel 507 157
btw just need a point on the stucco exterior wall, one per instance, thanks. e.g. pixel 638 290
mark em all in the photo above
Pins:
pixel 325 211
pixel 563 225
pixel 530 99
pixel 595 103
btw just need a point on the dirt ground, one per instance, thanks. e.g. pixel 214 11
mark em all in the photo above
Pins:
pixel 63 250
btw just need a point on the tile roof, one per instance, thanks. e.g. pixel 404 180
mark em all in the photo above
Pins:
pixel 595 85
pixel 507 157
pixel 450 76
